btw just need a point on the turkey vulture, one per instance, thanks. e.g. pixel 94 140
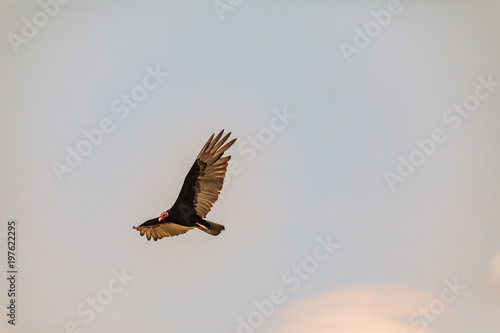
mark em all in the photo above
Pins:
pixel 200 190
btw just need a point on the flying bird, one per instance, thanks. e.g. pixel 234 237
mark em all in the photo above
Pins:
pixel 199 192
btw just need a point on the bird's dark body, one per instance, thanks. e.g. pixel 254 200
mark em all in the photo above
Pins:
pixel 187 219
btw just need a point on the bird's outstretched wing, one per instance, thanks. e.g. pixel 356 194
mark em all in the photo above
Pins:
pixel 204 181
pixel 161 229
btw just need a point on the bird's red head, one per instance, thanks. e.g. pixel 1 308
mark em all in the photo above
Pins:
pixel 163 216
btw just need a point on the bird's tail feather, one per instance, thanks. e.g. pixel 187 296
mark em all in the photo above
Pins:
pixel 211 228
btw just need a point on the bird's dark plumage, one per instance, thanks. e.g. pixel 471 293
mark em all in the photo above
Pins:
pixel 199 192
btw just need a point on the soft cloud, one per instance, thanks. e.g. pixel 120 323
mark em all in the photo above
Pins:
pixel 362 309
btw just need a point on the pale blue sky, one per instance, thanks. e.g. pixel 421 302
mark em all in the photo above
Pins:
pixel 322 175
